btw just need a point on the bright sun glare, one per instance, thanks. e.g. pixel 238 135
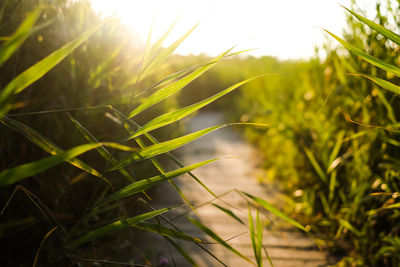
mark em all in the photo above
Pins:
pixel 288 29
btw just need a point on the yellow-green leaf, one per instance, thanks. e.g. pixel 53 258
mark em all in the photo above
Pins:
pixel 116 226
pixel 179 114
pixel 45 144
pixel 379 28
pixel 144 184
pixel 174 87
pixel 163 147
pixel 373 60
pixel 40 68
pixel 266 205
pixel 19 36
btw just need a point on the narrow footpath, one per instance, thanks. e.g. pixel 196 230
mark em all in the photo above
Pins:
pixel 236 170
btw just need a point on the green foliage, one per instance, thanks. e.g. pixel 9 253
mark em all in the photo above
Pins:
pixel 115 226
pixel 333 139
pixel 266 205
pixel 66 74
pixel 139 186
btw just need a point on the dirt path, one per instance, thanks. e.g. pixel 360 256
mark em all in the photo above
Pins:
pixel 284 248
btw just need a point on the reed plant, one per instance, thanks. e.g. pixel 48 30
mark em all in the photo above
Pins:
pixel 83 104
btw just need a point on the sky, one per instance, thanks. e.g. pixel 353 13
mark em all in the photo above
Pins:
pixel 287 29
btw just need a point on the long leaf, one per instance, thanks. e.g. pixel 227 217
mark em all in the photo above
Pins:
pixel 253 235
pixel 379 28
pixel 102 150
pixel 228 212
pixel 336 148
pixel 160 148
pixel 180 74
pixel 350 227
pixel 373 60
pixel 259 229
pixel 315 164
pixel 209 232
pixel 266 205
pixel 174 87
pixel 163 55
pixel 179 114
pixel 144 184
pixel 116 226
pixel 45 144
pixel 151 53
pixel 19 36
pixel 165 231
pixel 39 69
pixel 20 172
pixel 383 83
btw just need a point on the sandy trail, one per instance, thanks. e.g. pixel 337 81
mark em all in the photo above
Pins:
pixel 284 248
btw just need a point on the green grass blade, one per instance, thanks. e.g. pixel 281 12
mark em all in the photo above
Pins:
pixel 383 83
pixel 373 60
pixel 20 172
pixel 174 159
pixel 390 111
pixel 45 144
pixel 13 42
pixel 379 28
pixel 332 185
pixel 167 79
pixel 163 55
pixel 102 150
pixel 151 53
pixel 229 212
pixel 165 231
pixel 179 74
pixel 350 227
pixel 252 235
pixel 161 169
pixel 259 238
pixel 336 148
pixel 179 114
pixel 315 164
pixel 266 205
pixel 174 87
pixel 116 226
pixel 39 69
pixel 144 184
pixel 256 236
pixel 160 148
pixel 213 235
pixel 182 251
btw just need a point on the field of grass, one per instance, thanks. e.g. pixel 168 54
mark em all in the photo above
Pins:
pixel 333 144
pixel 75 91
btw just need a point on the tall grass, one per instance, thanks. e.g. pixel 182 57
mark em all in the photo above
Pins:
pixel 333 141
pixel 96 109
